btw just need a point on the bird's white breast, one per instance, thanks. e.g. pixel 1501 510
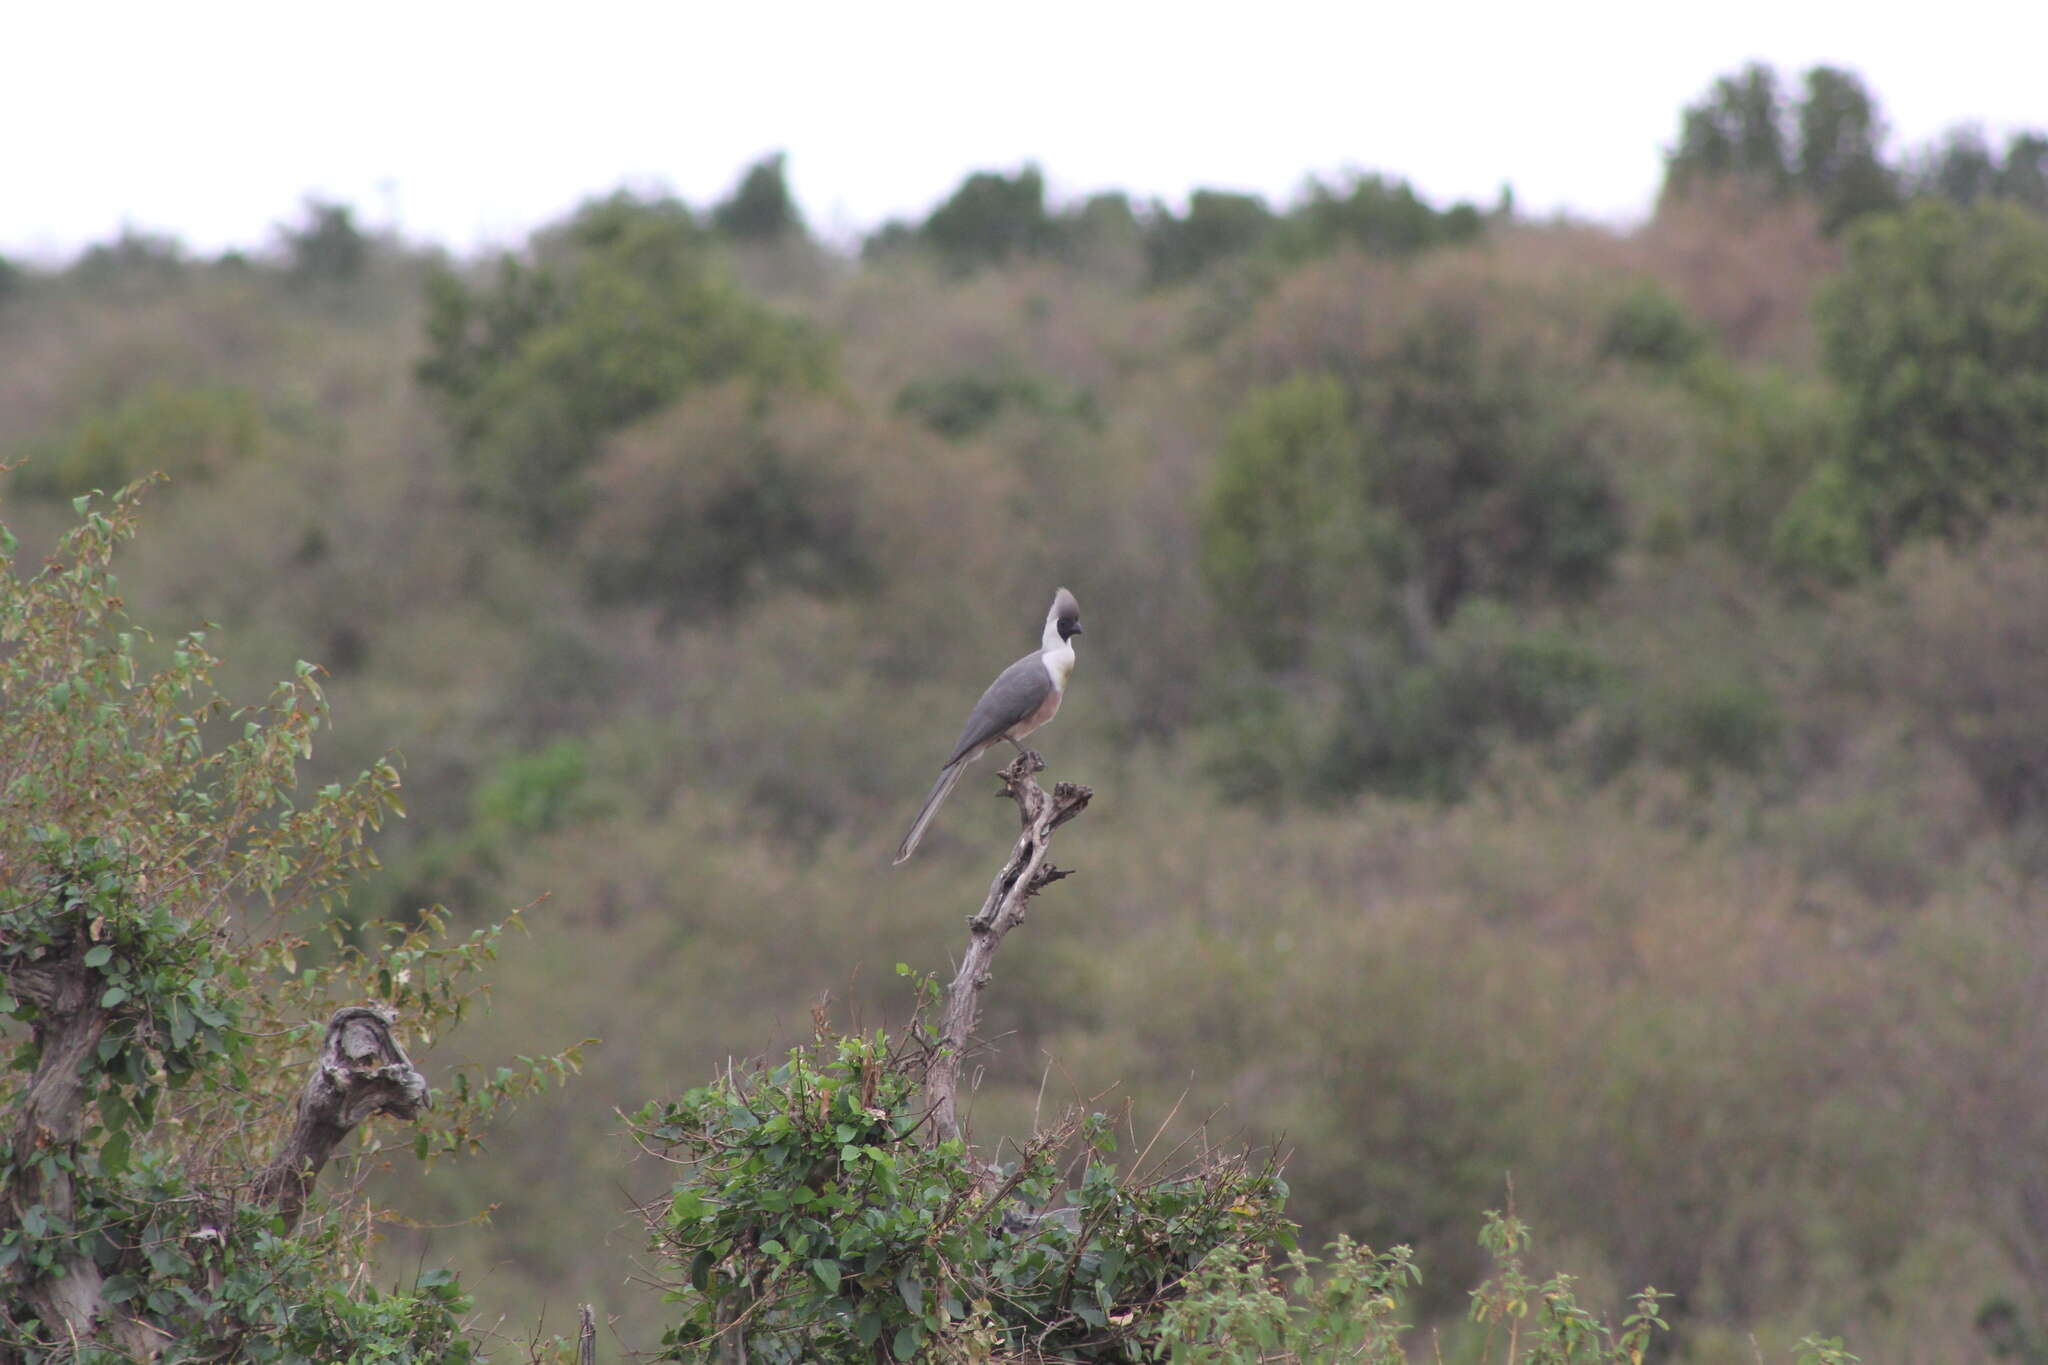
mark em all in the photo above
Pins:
pixel 1059 664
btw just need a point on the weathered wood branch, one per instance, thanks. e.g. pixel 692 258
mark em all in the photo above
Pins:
pixel 361 1071
pixel 1026 874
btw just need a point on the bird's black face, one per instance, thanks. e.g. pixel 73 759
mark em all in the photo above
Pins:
pixel 1070 626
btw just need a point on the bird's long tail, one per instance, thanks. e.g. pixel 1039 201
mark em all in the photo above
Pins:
pixel 941 789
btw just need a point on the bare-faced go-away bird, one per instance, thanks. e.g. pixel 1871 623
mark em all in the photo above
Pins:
pixel 1021 699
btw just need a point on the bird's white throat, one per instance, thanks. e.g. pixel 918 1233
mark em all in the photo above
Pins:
pixel 1059 663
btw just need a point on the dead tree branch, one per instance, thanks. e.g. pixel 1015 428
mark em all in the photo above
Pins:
pixel 361 1071
pixel 1026 874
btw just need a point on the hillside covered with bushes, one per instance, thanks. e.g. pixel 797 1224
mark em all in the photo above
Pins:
pixel 1562 702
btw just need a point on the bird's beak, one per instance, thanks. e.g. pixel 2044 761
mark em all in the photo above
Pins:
pixel 1077 628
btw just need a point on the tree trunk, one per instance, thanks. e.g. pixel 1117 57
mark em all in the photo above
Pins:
pixel 361 1071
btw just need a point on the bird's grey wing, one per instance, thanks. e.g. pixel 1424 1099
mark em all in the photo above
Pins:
pixel 1015 694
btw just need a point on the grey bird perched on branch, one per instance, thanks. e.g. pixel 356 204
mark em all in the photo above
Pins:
pixel 1024 697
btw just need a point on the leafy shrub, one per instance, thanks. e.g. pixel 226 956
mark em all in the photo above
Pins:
pixel 1287 534
pixel 990 218
pixel 1380 215
pixel 719 501
pixel 1371 213
pixel 1767 437
pixel 533 793
pixel 1825 144
pixel 1424 728
pixel 327 247
pixel 1648 326
pixel 959 405
pixel 1217 224
pixel 1937 330
pixel 1733 723
pixel 154 860
pixel 1970 665
pixel 1442 472
pixel 624 312
pixel 812 1221
pixel 760 208
pixel 1343 1307
pixel 1419 728
pixel 133 258
pixel 1824 530
pixel 192 435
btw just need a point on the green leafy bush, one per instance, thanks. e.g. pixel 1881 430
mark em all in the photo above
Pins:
pixel 192 435
pixel 990 218
pixel 1378 214
pixel 1425 728
pixel 1217 224
pixel 327 248
pixel 1440 473
pixel 156 863
pixel 1288 535
pixel 720 500
pixel 760 208
pixel 623 312
pixel 957 406
pixel 1937 330
pixel 1401 726
pixel 1647 326
pixel 815 1222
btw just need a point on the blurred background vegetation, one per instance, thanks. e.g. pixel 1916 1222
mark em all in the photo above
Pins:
pixel 1562 701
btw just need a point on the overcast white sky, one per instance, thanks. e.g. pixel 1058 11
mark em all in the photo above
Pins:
pixel 470 123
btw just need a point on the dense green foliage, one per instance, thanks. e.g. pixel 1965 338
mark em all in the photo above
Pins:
pixel 192 435
pixel 760 208
pixel 624 312
pixel 1827 145
pixel 1937 330
pixel 1558 702
pixel 153 845
pixel 816 1219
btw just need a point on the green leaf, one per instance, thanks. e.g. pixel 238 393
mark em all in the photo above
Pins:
pixel 114 1152
pixel 904 1347
pixel 114 996
pixel 183 1025
pixel 98 956
pixel 827 1271
pixel 912 1291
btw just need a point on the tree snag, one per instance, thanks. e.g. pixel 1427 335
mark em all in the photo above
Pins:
pixel 361 1071
pixel 1026 874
